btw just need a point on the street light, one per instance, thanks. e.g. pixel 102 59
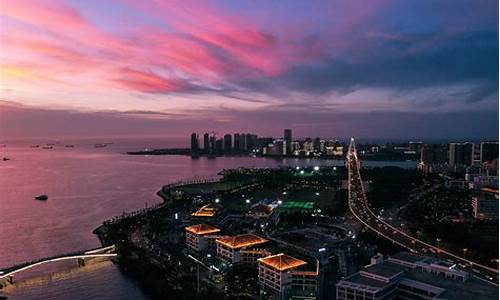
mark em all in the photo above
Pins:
pixel 465 251
pixel 247 201
pixel 217 200
pixel 316 168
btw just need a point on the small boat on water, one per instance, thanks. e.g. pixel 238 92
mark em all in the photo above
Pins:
pixel 42 197
pixel 100 145
pixel 47 147
pixel 69 146
pixel 5 158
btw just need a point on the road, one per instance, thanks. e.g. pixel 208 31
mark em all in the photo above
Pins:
pixel 362 212
pixel 5 273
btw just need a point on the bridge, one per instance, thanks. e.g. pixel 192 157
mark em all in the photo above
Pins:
pixel 7 274
pixel 362 212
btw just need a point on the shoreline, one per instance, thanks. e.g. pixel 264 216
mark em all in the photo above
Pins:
pixel 187 152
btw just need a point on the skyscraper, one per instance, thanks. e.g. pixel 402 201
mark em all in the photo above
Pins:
pixel 228 143
pixel 212 144
pixel 195 145
pixel 489 151
pixel 206 142
pixel 237 142
pixel 287 137
pixel 460 154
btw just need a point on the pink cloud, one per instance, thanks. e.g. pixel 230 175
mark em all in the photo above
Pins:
pixel 147 82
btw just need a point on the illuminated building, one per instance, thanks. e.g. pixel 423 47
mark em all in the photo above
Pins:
pixel 208 210
pixel 282 277
pixel 260 211
pixel 200 237
pixel 409 276
pixel 485 204
pixel 241 248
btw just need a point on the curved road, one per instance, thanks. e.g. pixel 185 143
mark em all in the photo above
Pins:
pixel 5 273
pixel 361 211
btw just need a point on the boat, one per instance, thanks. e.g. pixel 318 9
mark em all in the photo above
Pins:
pixel 100 145
pixel 69 146
pixel 47 147
pixel 42 197
pixel 5 158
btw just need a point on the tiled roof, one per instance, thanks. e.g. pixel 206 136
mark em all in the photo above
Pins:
pixel 282 262
pixel 241 241
pixel 202 229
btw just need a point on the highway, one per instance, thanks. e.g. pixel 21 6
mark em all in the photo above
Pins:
pixel 362 212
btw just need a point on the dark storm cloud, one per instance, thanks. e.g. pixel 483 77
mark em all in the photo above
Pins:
pixel 403 63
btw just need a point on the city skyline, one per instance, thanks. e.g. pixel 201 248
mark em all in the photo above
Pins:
pixel 380 70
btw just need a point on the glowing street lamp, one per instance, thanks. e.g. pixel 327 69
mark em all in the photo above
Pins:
pixel 247 201
pixel 316 168
pixel 217 200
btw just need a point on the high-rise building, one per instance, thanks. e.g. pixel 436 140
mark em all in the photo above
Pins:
pixel 460 154
pixel 212 144
pixel 287 137
pixel 219 146
pixel 316 144
pixel 485 203
pixel 243 145
pixel 228 143
pixel 194 142
pixel 433 154
pixel 237 146
pixel 489 151
pixel 206 142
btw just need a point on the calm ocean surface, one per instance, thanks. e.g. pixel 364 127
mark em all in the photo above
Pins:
pixel 87 185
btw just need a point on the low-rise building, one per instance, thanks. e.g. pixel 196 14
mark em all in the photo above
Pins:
pixel 206 211
pixel 243 248
pixel 283 277
pixel 201 237
pixel 409 276
pixel 260 211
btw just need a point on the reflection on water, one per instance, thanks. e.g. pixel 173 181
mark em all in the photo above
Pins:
pixel 100 280
pixel 87 185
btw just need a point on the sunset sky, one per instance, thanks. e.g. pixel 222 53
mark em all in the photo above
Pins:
pixel 373 69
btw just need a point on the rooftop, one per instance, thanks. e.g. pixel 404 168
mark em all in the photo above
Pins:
pixel 261 209
pixel 408 257
pixel 241 241
pixel 387 270
pixel 367 282
pixel 282 262
pixel 205 211
pixel 202 229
